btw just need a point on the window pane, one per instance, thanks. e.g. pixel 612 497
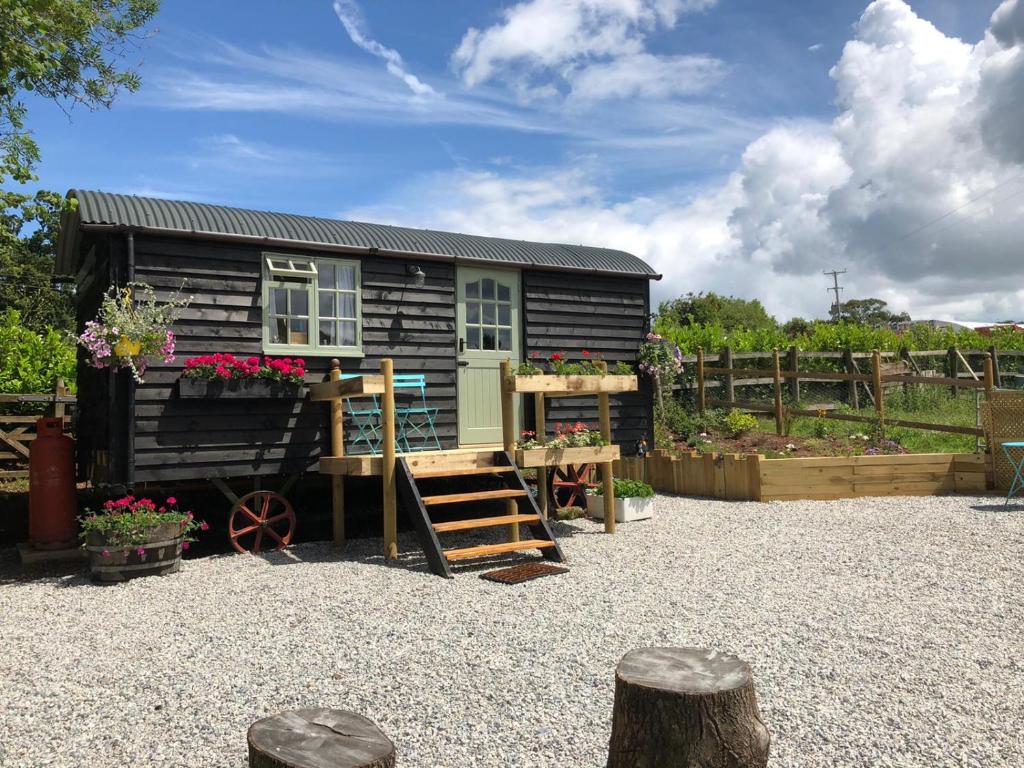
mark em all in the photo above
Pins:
pixel 298 332
pixel 473 313
pixel 489 340
pixel 327 304
pixel 504 314
pixel 473 338
pixel 487 289
pixel 505 339
pixel 328 333
pixel 279 264
pixel 473 290
pixel 347 278
pixel 279 300
pixel 300 303
pixel 488 310
pixel 348 333
pixel 346 305
pixel 504 292
pixel 279 331
pixel 326 274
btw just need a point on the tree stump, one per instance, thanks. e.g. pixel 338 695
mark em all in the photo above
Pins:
pixel 319 738
pixel 677 707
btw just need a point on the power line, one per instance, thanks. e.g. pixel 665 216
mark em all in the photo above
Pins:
pixel 947 214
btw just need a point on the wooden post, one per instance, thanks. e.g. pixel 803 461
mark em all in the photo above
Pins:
pixel 700 379
pixel 854 393
pixel 315 738
pixel 951 366
pixel 876 382
pixel 540 418
pixel 607 473
pixel 728 381
pixel 997 378
pixel 793 360
pixel 387 370
pixel 686 706
pixel 508 434
pixel 990 378
pixel 780 422
pixel 337 449
pixel 59 391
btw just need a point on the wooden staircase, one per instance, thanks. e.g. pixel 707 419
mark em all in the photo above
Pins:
pixel 503 471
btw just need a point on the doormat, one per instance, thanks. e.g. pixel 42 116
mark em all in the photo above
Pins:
pixel 517 574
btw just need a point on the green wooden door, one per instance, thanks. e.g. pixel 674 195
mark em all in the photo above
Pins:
pixel 487 313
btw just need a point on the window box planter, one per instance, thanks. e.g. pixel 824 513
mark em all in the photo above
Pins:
pixel 557 457
pixel 555 386
pixel 162 555
pixel 626 510
pixel 239 388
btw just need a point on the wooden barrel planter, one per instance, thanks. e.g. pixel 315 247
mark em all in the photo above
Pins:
pixel 161 554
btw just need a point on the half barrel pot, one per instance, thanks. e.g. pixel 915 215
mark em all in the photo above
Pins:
pixel 162 555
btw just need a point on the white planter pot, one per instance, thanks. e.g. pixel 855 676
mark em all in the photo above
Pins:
pixel 626 510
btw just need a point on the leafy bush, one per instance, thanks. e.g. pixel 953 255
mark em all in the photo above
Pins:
pixel 676 419
pixel 739 423
pixel 31 362
pixel 628 489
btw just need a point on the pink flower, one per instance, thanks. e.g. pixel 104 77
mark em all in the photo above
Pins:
pixel 171 500
pixel 105 553
pixel 204 526
pixel 140 551
pixel 184 545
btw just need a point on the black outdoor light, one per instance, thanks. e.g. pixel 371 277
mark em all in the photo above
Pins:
pixel 418 275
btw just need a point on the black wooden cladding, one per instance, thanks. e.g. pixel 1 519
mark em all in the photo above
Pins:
pixel 605 316
pixel 193 438
pixel 179 438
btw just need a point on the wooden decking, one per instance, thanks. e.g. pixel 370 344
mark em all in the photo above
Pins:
pixel 437 462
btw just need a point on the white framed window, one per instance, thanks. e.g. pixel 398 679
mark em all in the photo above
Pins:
pixel 311 305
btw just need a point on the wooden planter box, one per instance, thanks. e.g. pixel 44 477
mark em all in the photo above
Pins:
pixel 573 385
pixel 239 388
pixel 558 457
pixel 163 555
pixel 754 478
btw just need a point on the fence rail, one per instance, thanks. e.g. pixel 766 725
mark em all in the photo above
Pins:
pixel 785 383
pixel 18 431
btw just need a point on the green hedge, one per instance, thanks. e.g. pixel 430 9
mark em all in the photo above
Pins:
pixel 30 362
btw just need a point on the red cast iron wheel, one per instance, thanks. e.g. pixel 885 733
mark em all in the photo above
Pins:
pixel 569 485
pixel 259 520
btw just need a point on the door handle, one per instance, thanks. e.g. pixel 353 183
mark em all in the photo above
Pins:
pixel 462 345
pixel 464 363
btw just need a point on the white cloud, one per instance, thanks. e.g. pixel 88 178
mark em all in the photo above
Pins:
pixel 541 46
pixel 916 187
pixel 351 17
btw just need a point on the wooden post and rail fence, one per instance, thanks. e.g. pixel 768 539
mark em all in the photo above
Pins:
pixel 17 431
pixel 785 382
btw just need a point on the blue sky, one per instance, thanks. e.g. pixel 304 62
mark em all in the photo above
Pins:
pixel 651 109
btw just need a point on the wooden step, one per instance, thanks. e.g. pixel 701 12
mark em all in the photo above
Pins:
pixel 460 498
pixel 461 472
pixel 484 522
pixel 467 553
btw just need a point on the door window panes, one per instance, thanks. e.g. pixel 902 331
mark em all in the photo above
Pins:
pixel 489 315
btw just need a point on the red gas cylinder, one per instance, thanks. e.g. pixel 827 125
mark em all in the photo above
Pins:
pixel 51 501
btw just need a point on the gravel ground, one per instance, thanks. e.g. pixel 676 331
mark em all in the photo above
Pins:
pixel 882 632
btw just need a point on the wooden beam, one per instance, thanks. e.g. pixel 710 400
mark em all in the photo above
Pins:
pixel 540 421
pixel 607 474
pixel 387 369
pixel 780 423
pixel 338 450
pixel 508 434
pixel 359 386
pixel 876 375
pixel 700 379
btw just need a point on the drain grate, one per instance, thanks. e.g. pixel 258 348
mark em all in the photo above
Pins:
pixel 517 574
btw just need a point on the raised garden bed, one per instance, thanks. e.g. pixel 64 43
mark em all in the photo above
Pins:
pixel 559 457
pixel 239 388
pixel 754 478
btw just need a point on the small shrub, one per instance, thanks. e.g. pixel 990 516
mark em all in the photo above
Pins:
pixel 739 423
pixel 569 513
pixel 822 429
pixel 628 489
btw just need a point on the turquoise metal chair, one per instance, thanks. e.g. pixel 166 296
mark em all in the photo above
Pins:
pixel 1017 462
pixel 367 420
pixel 416 421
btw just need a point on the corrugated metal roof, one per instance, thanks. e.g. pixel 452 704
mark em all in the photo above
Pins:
pixel 197 219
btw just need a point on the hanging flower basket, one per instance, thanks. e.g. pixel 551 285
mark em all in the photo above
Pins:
pixel 132 329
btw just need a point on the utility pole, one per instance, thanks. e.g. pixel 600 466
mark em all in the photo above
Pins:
pixel 837 305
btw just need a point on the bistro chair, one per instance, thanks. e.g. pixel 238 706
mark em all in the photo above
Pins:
pixel 416 421
pixel 367 420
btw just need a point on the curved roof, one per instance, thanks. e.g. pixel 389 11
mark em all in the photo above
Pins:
pixel 104 209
